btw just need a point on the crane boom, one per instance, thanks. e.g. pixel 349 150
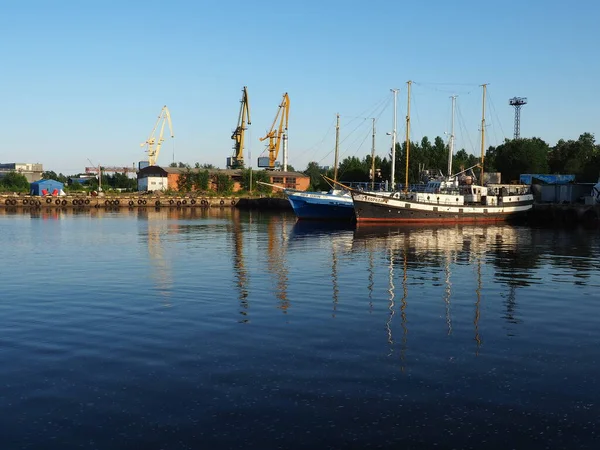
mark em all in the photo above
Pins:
pixel 153 143
pixel 237 160
pixel 276 135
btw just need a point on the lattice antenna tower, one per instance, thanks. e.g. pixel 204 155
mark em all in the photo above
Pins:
pixel 517 103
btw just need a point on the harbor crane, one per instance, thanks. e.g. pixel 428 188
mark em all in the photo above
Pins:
pixel 276 136
pixel 237 160
pixel 153 144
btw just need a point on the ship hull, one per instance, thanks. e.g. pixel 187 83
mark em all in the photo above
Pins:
pixel 370 208
pixel 318 206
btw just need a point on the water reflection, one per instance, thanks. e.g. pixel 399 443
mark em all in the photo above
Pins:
pixel 277 230
pixel 239 267
pixel 427 256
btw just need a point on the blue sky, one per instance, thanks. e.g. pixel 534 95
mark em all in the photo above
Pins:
pixel 87 79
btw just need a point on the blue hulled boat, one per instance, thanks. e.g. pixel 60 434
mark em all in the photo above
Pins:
pixel 332 205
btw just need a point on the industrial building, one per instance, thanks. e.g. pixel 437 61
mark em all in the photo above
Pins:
pixel 155 178
pixel 33 172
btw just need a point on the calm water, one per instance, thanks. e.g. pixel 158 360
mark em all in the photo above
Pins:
pixel 177 330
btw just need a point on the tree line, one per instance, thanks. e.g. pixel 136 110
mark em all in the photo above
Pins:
pixel 512 158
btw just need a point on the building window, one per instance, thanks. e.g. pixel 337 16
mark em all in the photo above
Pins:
pixel 278 180
pixel 290 180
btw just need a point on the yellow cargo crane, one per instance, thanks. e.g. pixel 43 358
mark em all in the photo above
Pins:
pixel 153 143
pixel 276 136
pixel 237 160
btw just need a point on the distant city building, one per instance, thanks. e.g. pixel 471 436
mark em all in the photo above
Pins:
pixel 33 172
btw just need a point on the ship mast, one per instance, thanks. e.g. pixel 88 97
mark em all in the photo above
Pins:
pixel 451 145
pixel 373 158
pixel 407 137
pixel 483 133
pixel 337 147
pixel 393 176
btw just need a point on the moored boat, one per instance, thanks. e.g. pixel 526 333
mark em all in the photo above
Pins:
pixel 454 198
pixel 333 205
pixel 460 203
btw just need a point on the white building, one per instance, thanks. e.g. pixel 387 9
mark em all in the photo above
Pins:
pixel 31 171
pixel 152 178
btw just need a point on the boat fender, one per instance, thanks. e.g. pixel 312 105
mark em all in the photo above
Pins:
pixel 171 202
pixel 184 202
pixel 130 202
pixel 87 201
pixel 117 202
pixel 25 201
pixel 178 203
pixel 57 201
pixel 64 202
pixel 222 202
pixel 48 200
pixel 75 201
pixel 157 203
pixel 232 202
pixel 144 202
pixel 192 201
pixel 139 201
pixel 107 202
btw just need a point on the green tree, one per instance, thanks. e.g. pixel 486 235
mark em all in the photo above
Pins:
pixel 185 181
pixel 224 183
pixel 518 156
pixel 75 187
pixel 463 160
pixel 201 180
pixel 580 158
pixel 490 159
pixel 315 172
pixel 353 169
pixel 51 175
pixel 257 175
pixel 14 181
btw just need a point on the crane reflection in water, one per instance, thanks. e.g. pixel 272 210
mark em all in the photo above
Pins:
pixel 157 227
pixel 239 266
pixel 277 230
